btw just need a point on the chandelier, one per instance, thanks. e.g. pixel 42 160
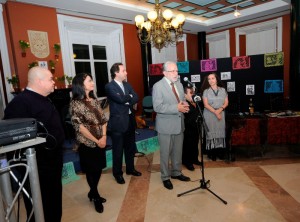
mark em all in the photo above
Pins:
pixel 161 29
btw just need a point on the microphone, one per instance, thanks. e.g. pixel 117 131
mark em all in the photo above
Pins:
pixel 196 98
pixel 186 79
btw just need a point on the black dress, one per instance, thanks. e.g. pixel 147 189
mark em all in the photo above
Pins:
pixel 92 159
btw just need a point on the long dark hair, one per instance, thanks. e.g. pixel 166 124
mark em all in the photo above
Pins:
pixel 205 84
pixel 78 87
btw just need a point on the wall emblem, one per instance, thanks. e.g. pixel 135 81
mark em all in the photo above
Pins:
pixel 39 44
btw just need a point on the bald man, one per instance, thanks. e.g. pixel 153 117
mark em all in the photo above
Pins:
pixel 33 103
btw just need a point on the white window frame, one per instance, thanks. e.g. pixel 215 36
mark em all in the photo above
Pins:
pixel 220 36
pixel 112 30
pixel 272 24
pixel 168 53
pixel 5 62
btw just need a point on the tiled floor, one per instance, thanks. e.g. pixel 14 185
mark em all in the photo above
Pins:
pixel 255 188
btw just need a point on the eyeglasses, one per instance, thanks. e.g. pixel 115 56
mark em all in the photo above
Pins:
pixel 172 71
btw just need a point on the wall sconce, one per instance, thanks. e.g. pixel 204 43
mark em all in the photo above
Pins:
pixel 236 12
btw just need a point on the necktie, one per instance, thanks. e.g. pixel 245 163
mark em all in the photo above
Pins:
pixel 122 87
pixel 174 91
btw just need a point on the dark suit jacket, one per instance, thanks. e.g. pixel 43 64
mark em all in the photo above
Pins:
pixel 119 105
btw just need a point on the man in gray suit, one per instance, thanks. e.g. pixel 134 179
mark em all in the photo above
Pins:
pixel 169 104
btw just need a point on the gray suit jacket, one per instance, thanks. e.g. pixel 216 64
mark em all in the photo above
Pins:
pixel 168 119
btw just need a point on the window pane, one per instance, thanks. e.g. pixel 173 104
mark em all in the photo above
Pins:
pixel 99 52
pixel 81 51
pixel 82 67
pixel 101 77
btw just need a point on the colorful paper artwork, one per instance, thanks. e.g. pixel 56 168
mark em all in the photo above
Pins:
pixel 274 59
pixel 156 69
pixel 183 67
pixel 273 86
pixel 208 65
pixel 241 62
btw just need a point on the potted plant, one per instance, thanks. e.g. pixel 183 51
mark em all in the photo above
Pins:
pixel 24 45
pixel 14 82
pixel 32 64
pixel 69 80
pixel 52 65
pixel 60 79
pixel 56 48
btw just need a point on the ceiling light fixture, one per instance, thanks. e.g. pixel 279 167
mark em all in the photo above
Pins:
pixel 161 29
pixel 236 12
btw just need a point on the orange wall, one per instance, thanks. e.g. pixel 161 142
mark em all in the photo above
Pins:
pixel 180 52
pixel 232 42
pixel 22 17
pixel 133 60
pixel 242 45
pixel 192 47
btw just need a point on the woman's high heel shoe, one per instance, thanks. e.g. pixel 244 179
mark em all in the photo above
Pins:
pixel 98 205
pixel 90 196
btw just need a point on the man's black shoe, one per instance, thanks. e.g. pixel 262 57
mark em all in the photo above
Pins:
pixel 120 179
pixel 168 184
pixel 189 167
pixel 197 162
pixel 134 173
pixel 181 177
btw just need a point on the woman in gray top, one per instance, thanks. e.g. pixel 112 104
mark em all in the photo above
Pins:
pixel 215 100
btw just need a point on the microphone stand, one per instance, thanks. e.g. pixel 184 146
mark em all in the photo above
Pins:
pixel 203 183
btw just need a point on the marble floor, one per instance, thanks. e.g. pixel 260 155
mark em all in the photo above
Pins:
pixel 254 188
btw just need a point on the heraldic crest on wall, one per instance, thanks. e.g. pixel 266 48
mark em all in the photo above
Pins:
pixel 39 43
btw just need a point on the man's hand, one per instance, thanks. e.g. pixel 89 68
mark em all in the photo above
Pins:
pixel 183 107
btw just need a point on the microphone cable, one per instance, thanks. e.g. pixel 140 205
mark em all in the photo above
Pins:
pixel 48 136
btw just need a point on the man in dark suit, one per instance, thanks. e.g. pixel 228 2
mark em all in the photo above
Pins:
pixel 170 105
pixel 121 124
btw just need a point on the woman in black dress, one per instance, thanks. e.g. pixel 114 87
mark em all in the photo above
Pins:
pixel 90 126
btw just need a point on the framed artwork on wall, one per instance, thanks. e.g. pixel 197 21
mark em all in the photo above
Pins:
pixel 273 86
pixel 208 65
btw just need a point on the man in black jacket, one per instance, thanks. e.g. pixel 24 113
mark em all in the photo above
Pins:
pixel 33 103
pixel 121 125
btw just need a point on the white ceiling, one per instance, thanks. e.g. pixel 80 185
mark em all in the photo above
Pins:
pixel 114 10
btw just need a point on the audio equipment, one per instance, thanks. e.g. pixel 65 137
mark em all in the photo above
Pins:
pixel 17 130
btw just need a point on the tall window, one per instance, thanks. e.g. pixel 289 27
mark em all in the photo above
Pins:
pixel 218 44
pixel 91 46
pixel 92 59
pixel 169 53
pixel 265 37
